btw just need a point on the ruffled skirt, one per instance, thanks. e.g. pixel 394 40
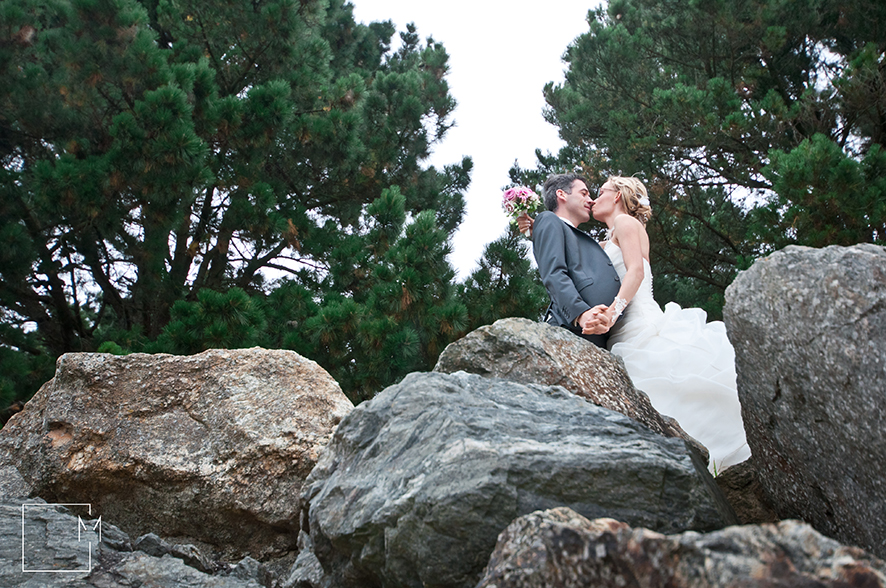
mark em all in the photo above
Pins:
pixel 687 368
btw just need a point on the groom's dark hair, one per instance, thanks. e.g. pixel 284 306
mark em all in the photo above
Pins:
pixel 558 182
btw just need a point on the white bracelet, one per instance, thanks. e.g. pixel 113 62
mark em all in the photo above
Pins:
pixel 620 304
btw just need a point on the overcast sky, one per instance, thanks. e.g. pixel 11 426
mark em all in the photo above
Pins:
pixel 501 56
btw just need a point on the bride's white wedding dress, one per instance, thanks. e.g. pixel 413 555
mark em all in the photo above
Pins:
pixel 685 365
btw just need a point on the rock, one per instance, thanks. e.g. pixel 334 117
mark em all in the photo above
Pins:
pixel 307 570
pixel 249 569
pixel 49 546
pixel 532 352
pixel 417 483
pixel 745 494
pixel 154 545
pixel 809 329
pixel 12 483
pixel 212 447
pixel 139 569
pixel 561 548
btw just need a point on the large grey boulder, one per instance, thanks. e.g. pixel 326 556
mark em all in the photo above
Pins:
pixel 417 483
pixel 561 548
pixel 809 329
pixel 47 546
pixel 533 352
pixel 211 447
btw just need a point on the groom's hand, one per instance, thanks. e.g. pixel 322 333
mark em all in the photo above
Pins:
pixel 524 223
pixel 594 321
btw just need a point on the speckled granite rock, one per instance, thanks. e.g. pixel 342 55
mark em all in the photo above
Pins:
pixel 213 447
pixel 561 548
pixel 809 329
pixel 745 494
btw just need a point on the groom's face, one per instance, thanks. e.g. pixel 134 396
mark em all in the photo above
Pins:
pixel 577 203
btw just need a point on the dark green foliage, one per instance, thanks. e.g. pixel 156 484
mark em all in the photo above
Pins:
pixel 407 312
pixel 286 308
pixel 504 285
pixel 217 320
pixel 754 123
pixel 21 371
pixel 825 197
pixel 160 160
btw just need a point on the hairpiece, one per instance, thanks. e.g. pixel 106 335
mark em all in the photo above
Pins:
pixel 643 200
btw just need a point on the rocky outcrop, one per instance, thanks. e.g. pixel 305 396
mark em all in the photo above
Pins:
pixel 417 483
pixel 809 329
pixel 745 494
pixel 213 447
pixel 50 546
pixel 561 548
pixel 533 352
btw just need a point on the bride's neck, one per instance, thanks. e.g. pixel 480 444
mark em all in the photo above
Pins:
pixel 610 221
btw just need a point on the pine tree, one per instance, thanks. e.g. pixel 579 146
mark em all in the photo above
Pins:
pixel 408 311
pixel 161 160
pixel 504 285
pixel 226 320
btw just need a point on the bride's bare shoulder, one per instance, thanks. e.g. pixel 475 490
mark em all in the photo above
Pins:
pixel 626 221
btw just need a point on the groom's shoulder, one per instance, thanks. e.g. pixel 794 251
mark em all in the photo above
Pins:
pixel 547 226
pixel 547 217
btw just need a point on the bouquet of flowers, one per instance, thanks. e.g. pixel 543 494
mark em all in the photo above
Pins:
pixel 518 200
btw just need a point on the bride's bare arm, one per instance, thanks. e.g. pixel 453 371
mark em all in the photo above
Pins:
pixel 630 233
pixel 630 237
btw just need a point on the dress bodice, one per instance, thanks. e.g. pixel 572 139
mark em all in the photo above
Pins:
pixel 618 262
pixel 643 309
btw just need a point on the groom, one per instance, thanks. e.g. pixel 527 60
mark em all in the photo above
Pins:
pixel 577 273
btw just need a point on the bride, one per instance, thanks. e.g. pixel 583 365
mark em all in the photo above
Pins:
pixel 685 365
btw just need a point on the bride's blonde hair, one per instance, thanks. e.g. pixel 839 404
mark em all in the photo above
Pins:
pixel 634 196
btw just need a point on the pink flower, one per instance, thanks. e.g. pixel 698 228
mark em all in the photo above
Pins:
pixel 519 200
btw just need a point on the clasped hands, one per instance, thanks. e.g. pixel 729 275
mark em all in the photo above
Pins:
pixel 597 320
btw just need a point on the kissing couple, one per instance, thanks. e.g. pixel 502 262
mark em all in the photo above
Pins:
pixel 602 292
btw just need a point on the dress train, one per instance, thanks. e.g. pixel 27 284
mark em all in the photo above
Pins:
pixel 685 365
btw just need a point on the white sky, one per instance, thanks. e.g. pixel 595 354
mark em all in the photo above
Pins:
pixel 501 55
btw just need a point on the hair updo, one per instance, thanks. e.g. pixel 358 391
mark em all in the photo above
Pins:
pixel 634 196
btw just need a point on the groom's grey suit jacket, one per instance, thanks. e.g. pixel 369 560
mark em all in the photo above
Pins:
pixel 575 270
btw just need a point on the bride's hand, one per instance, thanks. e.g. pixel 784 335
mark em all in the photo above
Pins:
pixel 597 322
pixel 524 223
